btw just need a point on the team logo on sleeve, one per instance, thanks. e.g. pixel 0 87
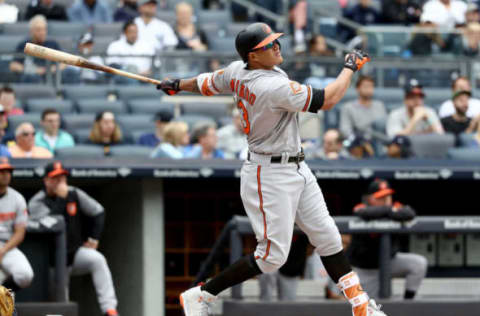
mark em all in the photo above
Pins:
pixel 72 208
pixel 296 87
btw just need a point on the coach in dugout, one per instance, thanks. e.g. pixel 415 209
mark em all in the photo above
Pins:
pixel 364 248
pixel 13 223
pixel 84 218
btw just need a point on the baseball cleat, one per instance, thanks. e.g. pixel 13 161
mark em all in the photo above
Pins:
pixel 195 302
pixel 373 309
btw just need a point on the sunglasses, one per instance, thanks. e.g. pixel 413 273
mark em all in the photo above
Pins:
pixel 268 46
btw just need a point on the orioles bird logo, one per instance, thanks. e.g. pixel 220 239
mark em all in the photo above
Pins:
pixel 266 29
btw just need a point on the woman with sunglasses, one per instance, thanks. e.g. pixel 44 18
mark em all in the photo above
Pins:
pixel 277 187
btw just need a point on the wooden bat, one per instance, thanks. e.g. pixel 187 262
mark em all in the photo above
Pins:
pixel 66 58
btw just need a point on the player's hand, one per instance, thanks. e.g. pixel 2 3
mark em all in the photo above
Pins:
pixel 419 113
pixel 356 59
pixel 170 86
pixel 91 243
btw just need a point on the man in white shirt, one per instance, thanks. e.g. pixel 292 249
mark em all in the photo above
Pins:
pixel 447 108
pixel 231 138
pixel 444 13
pixel 130 46
pixel 8 12
pixel 151 29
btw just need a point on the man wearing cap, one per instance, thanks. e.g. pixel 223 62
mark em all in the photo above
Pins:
pixel 414 117
pixel 152 30
pixel 459 122
pixel 460 84
pixel 153 139
pixel 84 218
pixel 13 223
pixel 364 248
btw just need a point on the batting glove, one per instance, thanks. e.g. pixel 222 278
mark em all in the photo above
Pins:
pixel 169 86
pixel 356 59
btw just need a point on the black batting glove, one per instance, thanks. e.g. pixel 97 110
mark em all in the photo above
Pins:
pixel 169 86
pixel 356 59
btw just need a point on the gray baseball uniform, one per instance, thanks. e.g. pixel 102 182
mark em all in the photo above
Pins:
pixel 13 212
pixel 275 195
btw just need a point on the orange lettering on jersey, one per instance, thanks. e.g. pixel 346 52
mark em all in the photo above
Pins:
pixel 205 90
pixel 242 92
pixel 72 208
pixel 232 84
pixel 252 98
pixel 246 127
pixel 296 87
pixel 247 94
pixel 237 84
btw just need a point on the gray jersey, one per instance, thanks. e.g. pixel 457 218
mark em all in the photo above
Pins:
pixel 269 102
pixel 13 211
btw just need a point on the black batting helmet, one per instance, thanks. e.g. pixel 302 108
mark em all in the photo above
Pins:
pixel 255 36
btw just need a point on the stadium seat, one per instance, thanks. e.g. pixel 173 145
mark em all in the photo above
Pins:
pixel 30 91
pixel 75 121
pixel 233 29
pixel 20 29
pixel 15 120
pixel 332 118
pixel 100 44
pixel 72 29
pixel 167 16
pixel 150 106
pixel 39 105
pixel 332 7
pixel 223 45
pixel 81 135
pixel 470 154
pixel 130 122
pixel 99 105
pixel 225 120
pixel 391 97
pixel 432 146
pixel 136 134
pixel 134 151
pixel 435 97
pixel 466 140
pixel 194 120
pixel 138 92
pixel 107 30
pixel 82 92
pixel 67 43
pixel 213 110
pixel 221 17
pixel 286 42
pixel 196 4
pixel 80 152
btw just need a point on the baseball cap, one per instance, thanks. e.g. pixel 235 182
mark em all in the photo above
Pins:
pixel 142 2
pixel 379 188
pixel 85 38
pixel 413 87
pixel 54 169
pixel 461 92
pixel 5 165
pixel 163 116
pixel 354 140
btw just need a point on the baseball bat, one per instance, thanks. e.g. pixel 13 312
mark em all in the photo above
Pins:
pixel 66 58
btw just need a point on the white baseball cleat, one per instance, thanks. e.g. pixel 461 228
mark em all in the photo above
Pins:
pixel 195 302
pixel 373 309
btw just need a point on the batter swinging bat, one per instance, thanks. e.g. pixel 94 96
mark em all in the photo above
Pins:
pixel 62 57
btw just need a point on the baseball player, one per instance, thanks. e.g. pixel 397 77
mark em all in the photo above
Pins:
pixel 13 222
pixel 277 187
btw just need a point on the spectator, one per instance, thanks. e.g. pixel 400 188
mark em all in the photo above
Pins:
pixel 444 13
pixel 471 39
pixel 475 142
pixel 414 117
pixel 14 215
pixel 363 13
pixel 460 84
pixel 130 46
pixel 8 100
pixel 90 12
pixel 472 15
pixel 151 29
pixel 8 12
pixel 34 69
pixel 399 147
pixel 298 16
pixel 318 46
pixel 318 74
pixel 404 12
pixel 357 117
pixel 423 43
pixel 25 144
pixel 358 147
pixel 153 139
pixel 189 37
pixel 5 134
pixel 231 138
pixel 364 249
pixel 84 218
pixel 458 122
pixel 52 137
pixel 50 10
pixel 105 131
pixel 127 11
pixel 332 146
pixel 206 140
pixel 175 138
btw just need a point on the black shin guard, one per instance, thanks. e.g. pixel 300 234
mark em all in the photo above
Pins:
pixel 242 270
pixel 336 265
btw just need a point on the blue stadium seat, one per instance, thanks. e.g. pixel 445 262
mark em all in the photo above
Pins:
pixel 470 154
pixel 286 42
pixel 233 29
pixel 107 29
pixel 224 45
pixel 432 146
pixel 194 120
pixel 136 134
pixel 39 105
pixel 15 120
pixel 130 122
pixel 81 135
pixel 213 110
pixel 100 44
pixel 80 152
pixel 196 4
pixel 435 97
pixel 167 16
pixel 138 92
pixel 82 92
pixel 134 151
pixel 30 91
pixel 99 105
pixel 75 121
pixel 221 17
pixel 466 140
pixel 67 43
pixel 150 106
pixel 71 29
pixel 20 29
